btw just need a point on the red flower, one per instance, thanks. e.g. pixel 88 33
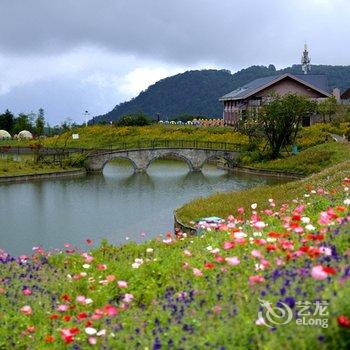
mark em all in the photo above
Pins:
pixel 66 297
pixel 74 330
pixel 271 247
pixel 296 217
pixel 49 339
pixel 89 241
pixel 209 266
pixel 67 318
pixel 54 317
pixel 329 270
pixel 82 315
pixel 343 321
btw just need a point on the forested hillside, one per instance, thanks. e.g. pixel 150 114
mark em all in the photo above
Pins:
pixel 197 92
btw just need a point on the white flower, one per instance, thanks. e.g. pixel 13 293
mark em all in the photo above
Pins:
pixel 149 250
pixel 305 220
pixel 257 234
pixel 90 331
pixel 135 265
pixel 88 301
pixel 306 195
pixel 210 248
pixel 310 227
pixel 254 206
pixel 347 201
pixel 139 261
pixel 86 266
pixel 271 239
pixel 102 332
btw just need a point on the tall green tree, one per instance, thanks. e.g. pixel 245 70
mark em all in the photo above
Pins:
pixel 281 119
pixel 7 121
pixel 22 122
pixel 40 122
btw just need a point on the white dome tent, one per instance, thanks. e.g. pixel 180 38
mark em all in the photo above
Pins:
pixel 25 135
pixel 4 135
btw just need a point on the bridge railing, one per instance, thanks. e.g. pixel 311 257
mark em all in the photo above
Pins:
pixel 123 146
pixel 156 144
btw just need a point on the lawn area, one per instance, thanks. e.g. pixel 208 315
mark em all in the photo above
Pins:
pixel 197 292
pixel 12 168
pixel 309 161
pixel 101 136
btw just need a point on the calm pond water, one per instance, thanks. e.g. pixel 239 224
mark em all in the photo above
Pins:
pixel 117 205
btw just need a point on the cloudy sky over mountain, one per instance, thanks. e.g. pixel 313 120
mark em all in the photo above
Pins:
pixel 68 56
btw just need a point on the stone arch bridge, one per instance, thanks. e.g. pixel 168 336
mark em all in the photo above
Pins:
pixel 194 153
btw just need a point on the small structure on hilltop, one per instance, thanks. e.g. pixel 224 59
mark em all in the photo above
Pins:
pixel 4 135
pixel 25 135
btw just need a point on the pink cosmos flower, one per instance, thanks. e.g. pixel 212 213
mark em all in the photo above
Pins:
pixel 128 298
pixel 240 211
pixel 217 309
pixel 318 273
pixel 101 267
pixel 197 272
pixel 26 310
pixel 27 291
pixel 110 278
pixel 122 284
pixel 228 245
pixel 185 265
pixel 111 310
pixel 92 340
pixel 256 253
pixel 81 299
pixel 233 261
pixel 256 279
pixel 259 225
pixel 62 308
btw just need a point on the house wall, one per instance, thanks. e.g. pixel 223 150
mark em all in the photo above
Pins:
pixel 288 86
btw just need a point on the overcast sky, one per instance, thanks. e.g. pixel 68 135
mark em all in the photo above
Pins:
pixel 69 56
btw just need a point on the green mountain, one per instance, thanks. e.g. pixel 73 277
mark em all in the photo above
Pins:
pixel 197 92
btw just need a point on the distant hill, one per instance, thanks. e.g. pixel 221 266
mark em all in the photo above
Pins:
pixel 197 92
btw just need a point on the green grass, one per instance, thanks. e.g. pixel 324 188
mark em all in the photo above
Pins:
pixel 100 136
pixel 309 161
pixel 13 168
pixel 216 309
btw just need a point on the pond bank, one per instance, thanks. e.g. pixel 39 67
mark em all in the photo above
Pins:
pixel 41 176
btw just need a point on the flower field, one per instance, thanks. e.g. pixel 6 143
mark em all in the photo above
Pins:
pixel 241 285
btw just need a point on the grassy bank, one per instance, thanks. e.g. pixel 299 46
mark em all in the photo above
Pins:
pixel 99 136
pixel 13 168
pixel 196 293
pixel 309 161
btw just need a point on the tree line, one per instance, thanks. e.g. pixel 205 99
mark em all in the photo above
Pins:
pixel 33 122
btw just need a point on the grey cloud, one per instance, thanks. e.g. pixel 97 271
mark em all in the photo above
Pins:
pixel 184 31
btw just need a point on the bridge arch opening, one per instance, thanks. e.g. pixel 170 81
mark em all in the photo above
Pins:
pixel 119 164
pixel 163 159
pixel 216 163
